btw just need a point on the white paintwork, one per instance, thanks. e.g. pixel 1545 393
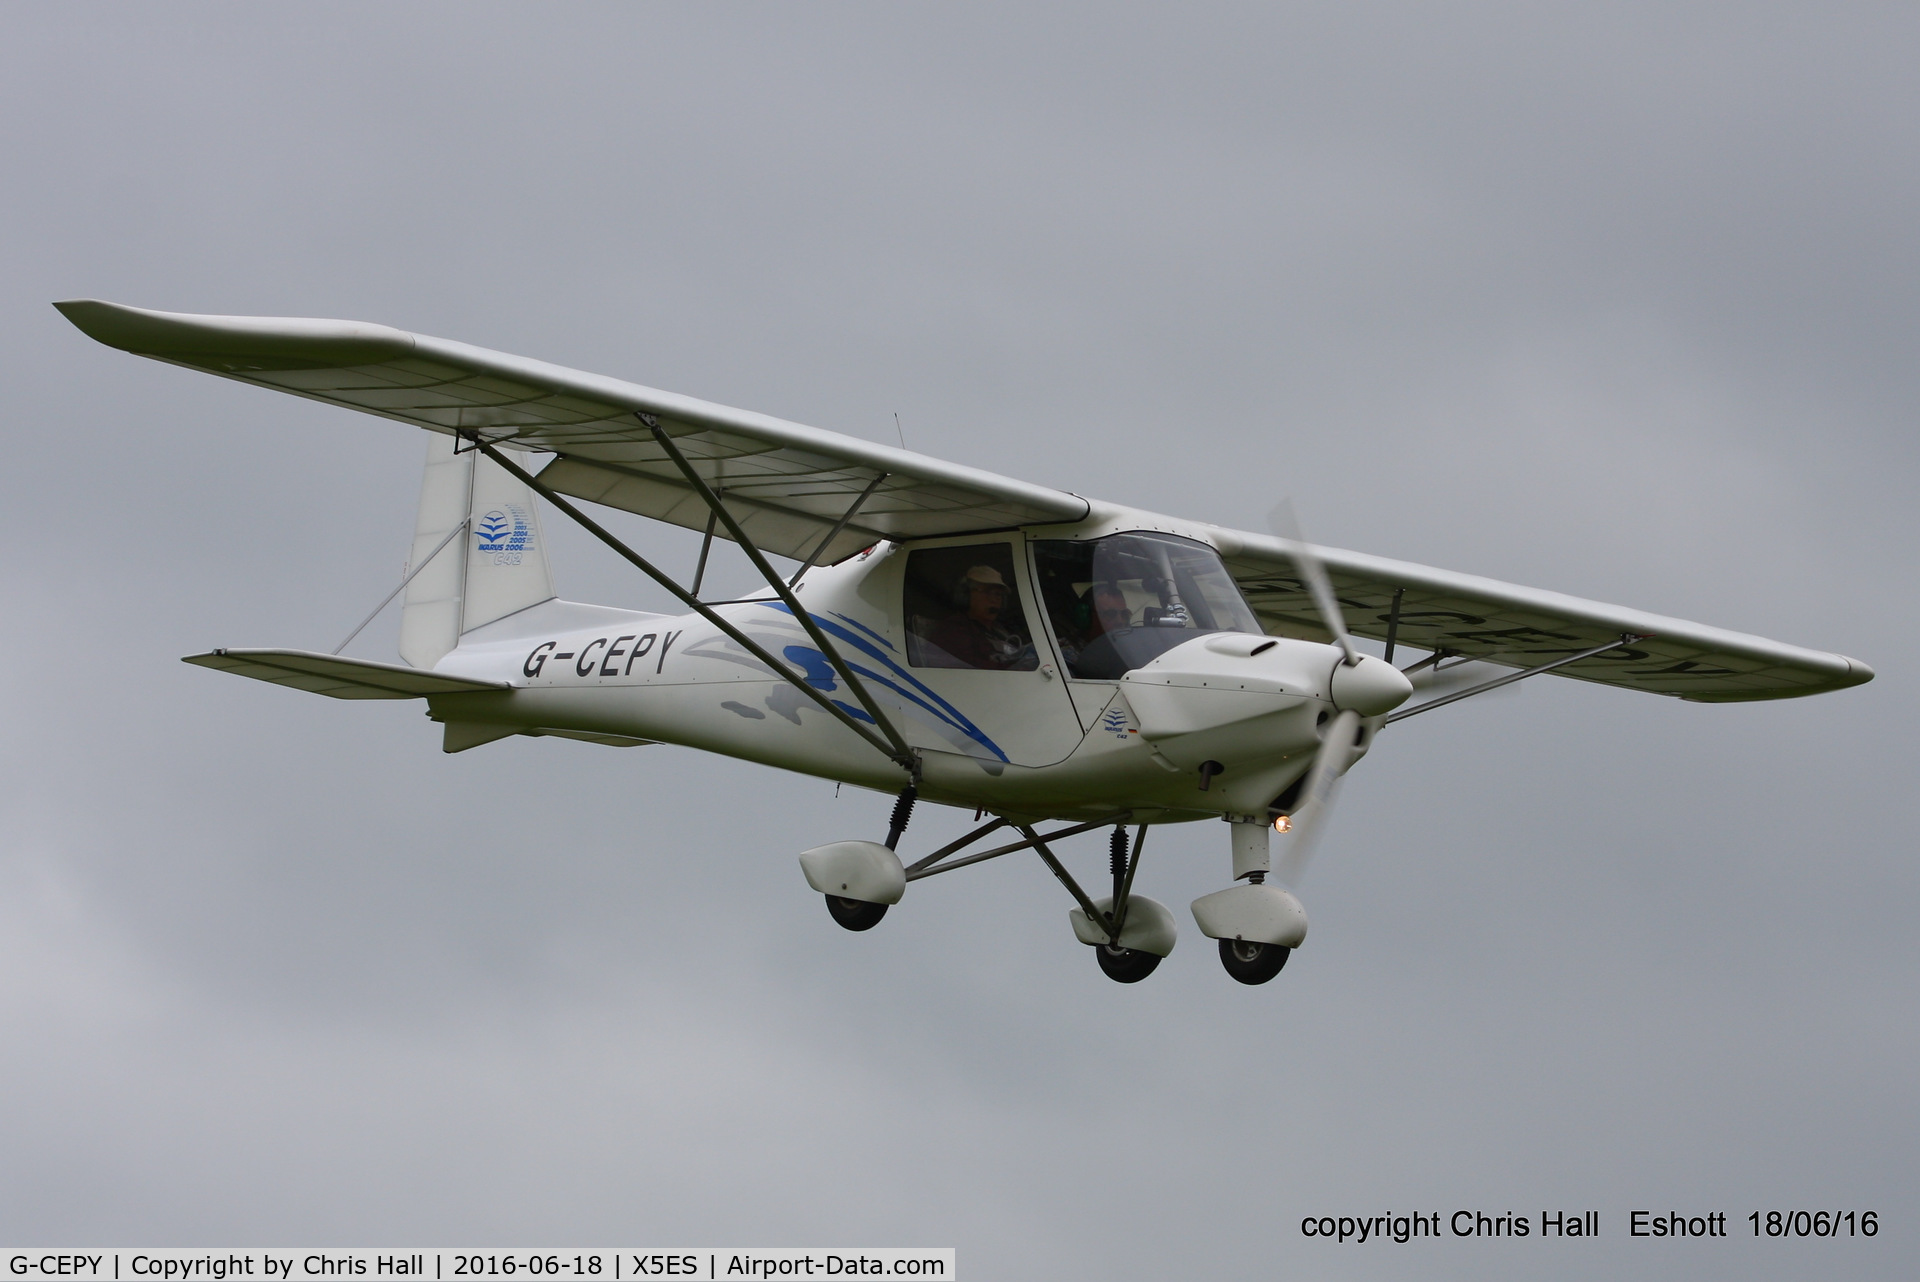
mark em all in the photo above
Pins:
pixel 789 482
pixel 1521 626
pixel 792 482
pixel 1371 687
pixel 1258 914
pixel 1027 717
pixel 507 568
pixel 497 567
pixel 337 676
pixel 863 870
pixel 496 654
pixel 430 608
pixel 1149 927
pixel 1252 845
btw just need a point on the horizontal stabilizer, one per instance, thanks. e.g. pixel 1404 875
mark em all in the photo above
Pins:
pixel 588 736
pixel 338 678
pixel 458 736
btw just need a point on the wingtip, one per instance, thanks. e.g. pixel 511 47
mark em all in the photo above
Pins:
pixel 235 342
pixel 91 316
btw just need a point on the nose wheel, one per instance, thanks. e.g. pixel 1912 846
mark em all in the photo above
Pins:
pixel 1252 963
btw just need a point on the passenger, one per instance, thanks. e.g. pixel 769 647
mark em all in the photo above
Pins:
pixel 973 635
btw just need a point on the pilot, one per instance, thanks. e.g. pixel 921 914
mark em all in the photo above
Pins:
pixel 1097 658
pixel 1101 610
pixel 1110 612
pixel 973 635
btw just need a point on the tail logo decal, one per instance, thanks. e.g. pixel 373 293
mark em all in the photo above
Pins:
pixel 505 534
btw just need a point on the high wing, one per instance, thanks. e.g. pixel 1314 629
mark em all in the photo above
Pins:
pixel 337 677
pixel 791 485
pixel 1521 627
pixel 787 484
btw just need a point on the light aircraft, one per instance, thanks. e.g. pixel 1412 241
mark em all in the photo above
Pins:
pixel 949 636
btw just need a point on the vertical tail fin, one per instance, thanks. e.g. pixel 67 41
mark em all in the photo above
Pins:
pixel 496 566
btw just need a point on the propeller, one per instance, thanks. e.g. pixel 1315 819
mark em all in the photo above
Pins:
pixel 1282 521
pixel 1309 822
pixel 1340 740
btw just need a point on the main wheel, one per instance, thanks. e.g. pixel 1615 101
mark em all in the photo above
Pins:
pixel 1252 963
pixel 1125 965
pixel 855 914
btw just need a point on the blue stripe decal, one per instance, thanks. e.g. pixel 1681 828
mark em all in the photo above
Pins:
pixel 869 631
pixel 931 701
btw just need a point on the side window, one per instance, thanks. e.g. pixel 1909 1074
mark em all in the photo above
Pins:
pixel 963 610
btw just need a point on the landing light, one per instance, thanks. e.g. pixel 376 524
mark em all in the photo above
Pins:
pixel 1283 824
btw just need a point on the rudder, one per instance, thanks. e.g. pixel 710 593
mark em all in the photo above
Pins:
pixel 495 565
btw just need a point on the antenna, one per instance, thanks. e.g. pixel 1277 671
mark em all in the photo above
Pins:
pixel 896 428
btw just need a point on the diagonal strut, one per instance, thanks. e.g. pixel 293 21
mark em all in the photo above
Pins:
pixel 900 751
pixel 692 602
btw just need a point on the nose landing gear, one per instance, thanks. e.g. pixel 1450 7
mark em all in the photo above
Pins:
pixel 1258 925
pixel 1252 963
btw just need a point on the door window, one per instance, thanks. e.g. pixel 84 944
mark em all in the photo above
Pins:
pixel 963 610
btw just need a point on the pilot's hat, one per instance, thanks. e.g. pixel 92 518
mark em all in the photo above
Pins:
pixel 982 576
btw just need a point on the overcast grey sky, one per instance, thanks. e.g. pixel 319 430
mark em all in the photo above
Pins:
pixel 1618 300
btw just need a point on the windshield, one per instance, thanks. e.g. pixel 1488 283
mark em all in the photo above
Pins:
pixel 1122 601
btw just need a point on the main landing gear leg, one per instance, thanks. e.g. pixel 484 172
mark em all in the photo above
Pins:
pixel 860 914
pixel 1122 965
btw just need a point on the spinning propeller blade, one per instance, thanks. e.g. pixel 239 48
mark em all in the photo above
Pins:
pixel 1312 573
pixel 1316 796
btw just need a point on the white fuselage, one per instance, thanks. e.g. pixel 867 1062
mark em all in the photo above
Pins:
pixel 1035 742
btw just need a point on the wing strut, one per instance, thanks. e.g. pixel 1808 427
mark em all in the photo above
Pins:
pixel 1627 638
pixel 900 751
pixel 706 546
pixel 838 526
pixel 903 755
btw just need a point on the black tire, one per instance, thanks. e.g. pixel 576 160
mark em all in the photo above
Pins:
pixel 1252 963
pixel 855 914
pixel 1125 965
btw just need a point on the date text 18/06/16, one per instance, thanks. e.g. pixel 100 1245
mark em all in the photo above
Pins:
pixel 1586 1224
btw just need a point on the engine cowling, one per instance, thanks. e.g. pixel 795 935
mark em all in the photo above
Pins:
pixel 1235 698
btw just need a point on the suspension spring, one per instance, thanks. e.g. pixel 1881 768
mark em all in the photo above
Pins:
pixel 902 812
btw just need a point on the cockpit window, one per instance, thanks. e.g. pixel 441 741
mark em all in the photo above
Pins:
pixel 963 610
pixel 1122 601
